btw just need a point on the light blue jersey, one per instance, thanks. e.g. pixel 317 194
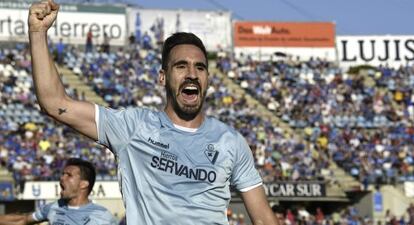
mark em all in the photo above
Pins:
pixel 59 213
pixel 170 176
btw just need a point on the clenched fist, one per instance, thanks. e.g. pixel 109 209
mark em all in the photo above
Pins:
pixel 42 15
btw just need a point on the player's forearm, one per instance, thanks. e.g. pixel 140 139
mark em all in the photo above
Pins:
pixel 258 207
pixel 269 219
pixel 49 88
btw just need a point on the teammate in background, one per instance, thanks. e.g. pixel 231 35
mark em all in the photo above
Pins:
pixel 73 207
pixel 175 166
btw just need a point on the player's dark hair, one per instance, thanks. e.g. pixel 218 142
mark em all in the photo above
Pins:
pixel 180 38
pixel 87 171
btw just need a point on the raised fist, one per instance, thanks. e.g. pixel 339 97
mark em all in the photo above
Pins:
pixel 42 15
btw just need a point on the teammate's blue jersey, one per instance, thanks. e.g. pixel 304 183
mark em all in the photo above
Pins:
pixel 59 213
pixel 171 176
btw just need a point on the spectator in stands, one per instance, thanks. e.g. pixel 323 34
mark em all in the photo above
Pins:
pixel 60 48
pixel 410 213
pixel 105 47
pixel 123 221
pixel 320 217
pixel 146 41
pixel 241 220
pixel 184 74
pixel 73 207
pixel 290 217
pixel 131 39
pixel 89 41
pixel 279 213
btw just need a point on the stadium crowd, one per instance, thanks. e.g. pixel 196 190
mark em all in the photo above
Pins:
pixel 34 147
pixel 349 215
pixel 128 77
pixel 336 114
pixel 300 215
pixel 363 121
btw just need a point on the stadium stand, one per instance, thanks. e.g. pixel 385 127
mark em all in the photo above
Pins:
pixel 49 139
pixel 340 113
pixel 26 129
pixel 33 146
pixel 128 83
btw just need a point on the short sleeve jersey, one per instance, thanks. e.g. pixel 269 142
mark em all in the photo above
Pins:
pixel 171 176
pixel 59 213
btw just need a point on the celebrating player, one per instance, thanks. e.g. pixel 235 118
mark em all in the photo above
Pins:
pixel 176 166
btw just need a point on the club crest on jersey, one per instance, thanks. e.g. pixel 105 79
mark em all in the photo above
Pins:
pixel 86 220
pixel 211 153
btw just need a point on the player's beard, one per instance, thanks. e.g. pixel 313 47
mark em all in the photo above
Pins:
pixel 185 112
pixel 63 193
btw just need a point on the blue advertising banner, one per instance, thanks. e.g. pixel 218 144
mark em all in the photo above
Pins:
pixel 378 207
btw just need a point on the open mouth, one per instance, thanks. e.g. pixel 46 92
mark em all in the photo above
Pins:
pixel 62 188
pixel 190 92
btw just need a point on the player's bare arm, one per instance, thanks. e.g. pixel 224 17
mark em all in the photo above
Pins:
pixel 49 88
pixel 16 219
pixel 258 208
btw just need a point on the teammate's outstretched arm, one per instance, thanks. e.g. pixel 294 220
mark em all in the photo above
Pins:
pixel 258 207
pixel 49 89
pixel 17 219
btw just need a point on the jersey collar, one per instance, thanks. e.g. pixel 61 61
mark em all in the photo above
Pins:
pixel 166 122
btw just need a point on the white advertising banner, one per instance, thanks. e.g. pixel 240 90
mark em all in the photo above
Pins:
pixel 72 24
pixel 409 189
pixel 391 50
pixel 212 27
pixel 35 190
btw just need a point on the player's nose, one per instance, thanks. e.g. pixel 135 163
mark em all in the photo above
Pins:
pixel 192 72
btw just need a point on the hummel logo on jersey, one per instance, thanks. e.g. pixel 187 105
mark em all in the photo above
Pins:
pixel 211 153
pixel 159 144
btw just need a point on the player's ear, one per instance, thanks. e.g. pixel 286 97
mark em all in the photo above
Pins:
pixel 161 77
pixel 84 184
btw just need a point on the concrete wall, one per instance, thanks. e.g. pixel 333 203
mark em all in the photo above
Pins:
pixel 364 204
pixel 395 200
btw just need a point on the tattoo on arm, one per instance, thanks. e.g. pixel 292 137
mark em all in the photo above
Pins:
pixel 61 111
